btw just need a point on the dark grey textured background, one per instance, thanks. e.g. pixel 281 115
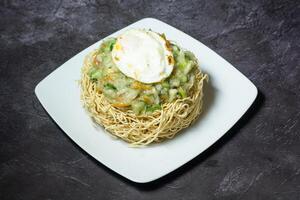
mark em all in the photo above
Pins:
pixel 258 159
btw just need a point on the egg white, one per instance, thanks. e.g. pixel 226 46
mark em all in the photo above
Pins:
pixel 143 55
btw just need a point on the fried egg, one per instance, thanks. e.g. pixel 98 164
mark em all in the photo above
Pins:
pixel 143 55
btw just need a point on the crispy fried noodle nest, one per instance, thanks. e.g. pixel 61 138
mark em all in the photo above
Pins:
pixel 139 130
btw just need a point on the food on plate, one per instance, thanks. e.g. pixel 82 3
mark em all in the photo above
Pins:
pixel 141 87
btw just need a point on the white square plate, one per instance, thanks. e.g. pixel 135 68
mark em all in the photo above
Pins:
pixel 227 98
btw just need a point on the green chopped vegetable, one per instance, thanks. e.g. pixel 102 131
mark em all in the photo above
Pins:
pixel 188 67
pixel 182 92
pixel 164 91
pixel 172 94
pixel 183 78
pixel 128 95
pixel 181 61
pixel 175 50
pixel 189 55
pixel 165 85
pixel 138 107
pixel 107 61
pixel 158 87
pixel 174 82
pixel 109 44
pixel 94 73
pixel 110 86
pixel 91 71
pixel 110 94
pixel 152 108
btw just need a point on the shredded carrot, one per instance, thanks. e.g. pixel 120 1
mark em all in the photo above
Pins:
pixel 140 86
pixel 119 98
pixel 147 100
pixel 95 60
pixel 107 78
pixel 120 105
pixel 164 98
